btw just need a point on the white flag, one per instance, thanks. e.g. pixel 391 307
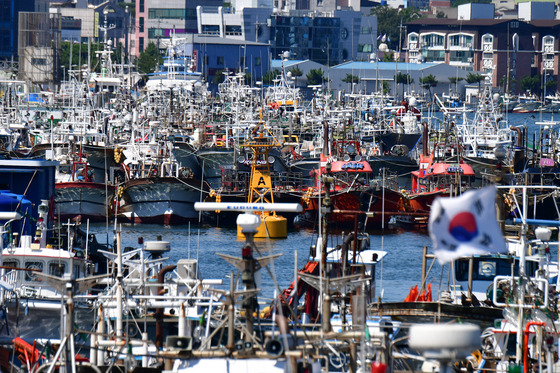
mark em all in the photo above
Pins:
pixel 466 225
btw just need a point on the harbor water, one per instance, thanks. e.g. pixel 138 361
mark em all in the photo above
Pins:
pixel 396 274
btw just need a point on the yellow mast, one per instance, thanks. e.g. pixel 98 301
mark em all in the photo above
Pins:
pixel 261 142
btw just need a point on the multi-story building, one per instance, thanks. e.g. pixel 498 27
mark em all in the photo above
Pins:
pixel 9 21
pixel 156 20
pixel 92 18
pixel 508 48
pixel 213 54
pixel 328 39
pixel 325 37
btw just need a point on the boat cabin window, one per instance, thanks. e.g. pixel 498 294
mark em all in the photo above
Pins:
pixel 77 273
pixel 31 267
pixel 485 269
pixel 11 263
pixel 57 269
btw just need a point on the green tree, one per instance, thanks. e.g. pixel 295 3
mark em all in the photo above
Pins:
pixel 351 79
pixel 474 78
pixel 403 79
pixel 79 56
pixel 388 57
pixel 440 14
pixel 455 80
pixel 150 59
pixel 386 87
pixel 428 82
pixel 296 73
pixel 315 77
pixel 248 78
pixel 219 76
pixel 131 7
pixel 507 83
pixel 389 21
pixel 550 86
pixel 270 76
pixel 531 83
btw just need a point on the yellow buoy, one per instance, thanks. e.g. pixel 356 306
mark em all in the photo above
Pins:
pixel 272 226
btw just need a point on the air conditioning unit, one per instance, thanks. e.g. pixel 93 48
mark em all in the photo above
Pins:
pixel 470 59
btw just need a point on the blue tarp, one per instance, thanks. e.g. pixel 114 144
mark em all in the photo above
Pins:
pixel 11 202
pixel 34 97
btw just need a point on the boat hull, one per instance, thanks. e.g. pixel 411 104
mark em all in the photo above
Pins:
pixel 84 200
pixel 350 207
pixel 160 200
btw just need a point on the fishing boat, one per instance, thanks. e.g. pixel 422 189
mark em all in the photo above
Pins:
pixel 78 196
pixel 156 188
pixel 434 179
pixel 352 188
pixel 274 345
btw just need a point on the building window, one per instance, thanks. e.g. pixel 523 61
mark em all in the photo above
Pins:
pixel 155 33
pixel 141 25
pixel 220 60
pixel 548 44
pixel 487 39
pixel 233 30
pixel 211 29
pixel 413 41
pixel 431 40
pixel 141 44
pixel 155 13
pixel 257 61
pixel 142 9
pixel 461 56
pixel 460 40
pixel 39 61
pixel 365 30
pixel 434 55
pixel 365 48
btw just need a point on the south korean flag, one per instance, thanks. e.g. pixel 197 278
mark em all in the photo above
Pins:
pixel 466 225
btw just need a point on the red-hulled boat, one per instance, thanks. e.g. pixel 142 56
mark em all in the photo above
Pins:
pixel 353 190
pixel 435 179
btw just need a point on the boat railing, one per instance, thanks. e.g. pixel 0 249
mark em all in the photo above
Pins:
pixel 11 277
pixel 239 181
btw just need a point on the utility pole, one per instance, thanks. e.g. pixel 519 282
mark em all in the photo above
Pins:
pixel 257 27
